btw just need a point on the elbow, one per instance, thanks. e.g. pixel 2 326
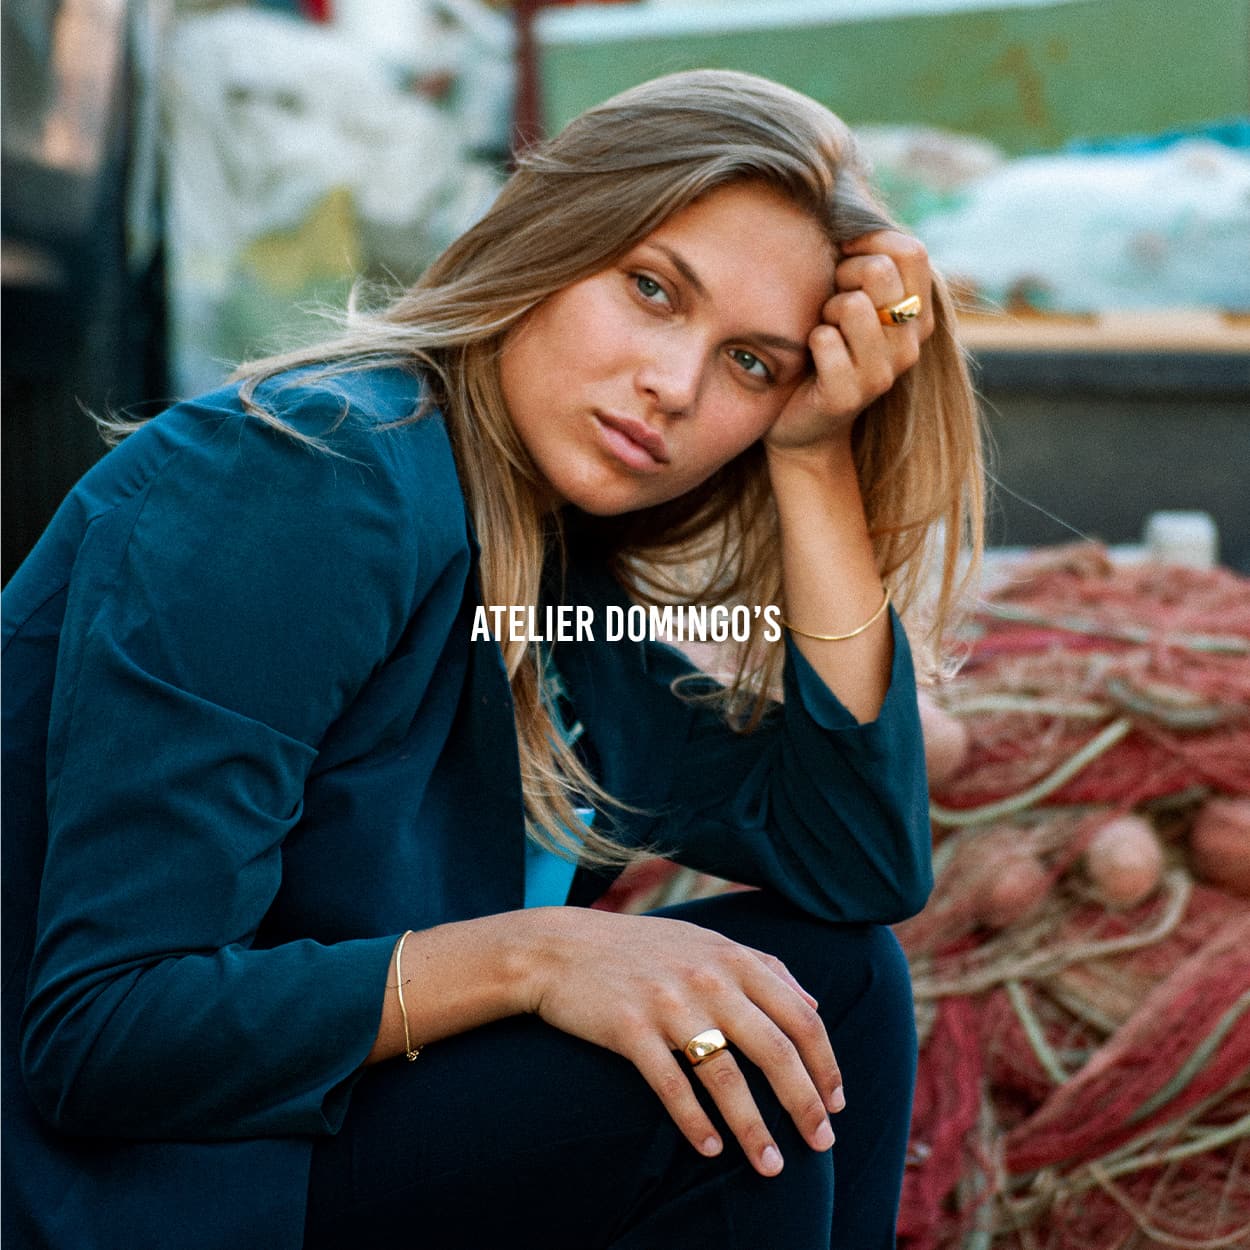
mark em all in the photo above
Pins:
pixel 912 869
pixel 904 876
pixel 48 1077
pixel 69 1088
pixel 883 893
pixel 911 894
pixel 52 1065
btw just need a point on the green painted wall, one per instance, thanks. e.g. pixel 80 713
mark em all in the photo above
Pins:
pixel 1028 78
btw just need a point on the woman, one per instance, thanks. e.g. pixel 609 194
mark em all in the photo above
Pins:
pixel 283 839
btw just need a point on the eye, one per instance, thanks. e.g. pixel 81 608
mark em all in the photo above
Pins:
pixel 752 364
pixel 650 289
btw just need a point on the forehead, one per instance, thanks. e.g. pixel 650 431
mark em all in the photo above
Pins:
pixel 750 246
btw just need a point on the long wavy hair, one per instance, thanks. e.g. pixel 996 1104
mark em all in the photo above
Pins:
pixel 573 206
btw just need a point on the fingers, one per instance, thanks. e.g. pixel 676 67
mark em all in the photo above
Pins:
pixel 775 966
pixel 783 1036
pixel 855 361
pixel 780 1031
pixel 888 266
pixel 660 1069
pixel 646 997
pixel 798 1025
pixel 786 1067
pixel 787 1062
pixel 723 1080
pixel 857 358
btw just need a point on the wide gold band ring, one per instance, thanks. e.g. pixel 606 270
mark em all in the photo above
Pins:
pixel 702 1046
pixel 899 314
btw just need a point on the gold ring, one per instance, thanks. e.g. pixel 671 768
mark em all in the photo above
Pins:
pixel 702 1046
pixel 899 314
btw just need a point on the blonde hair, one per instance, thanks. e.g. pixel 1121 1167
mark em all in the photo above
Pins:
pixel 574 205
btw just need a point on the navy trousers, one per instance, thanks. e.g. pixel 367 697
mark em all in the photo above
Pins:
pixel 517 1135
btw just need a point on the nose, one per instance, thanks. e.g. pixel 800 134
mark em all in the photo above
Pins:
pixel 671 374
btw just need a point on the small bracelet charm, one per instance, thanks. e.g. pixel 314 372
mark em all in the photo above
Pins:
pixel 410 1051
pixel 872 620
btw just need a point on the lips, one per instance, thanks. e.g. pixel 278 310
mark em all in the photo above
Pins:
pixel 628 437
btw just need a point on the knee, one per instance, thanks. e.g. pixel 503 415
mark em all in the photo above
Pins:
pixel 889 973
pixel 795 1207
pixel 885 1007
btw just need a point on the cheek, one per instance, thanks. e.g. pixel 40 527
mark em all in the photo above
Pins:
pixel 726 437
pixel 742 422
pixel 585 325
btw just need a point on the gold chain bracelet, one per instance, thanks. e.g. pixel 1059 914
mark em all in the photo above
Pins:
pixel 410 1051
pixel 871 621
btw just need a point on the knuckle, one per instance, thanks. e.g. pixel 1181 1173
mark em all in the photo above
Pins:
pixel 778 1049
pixel 673 1088
pixel 824 339
pixel 776 965
pixel 720 1075
pixel 911 248
pixel 754 1137
pixel 881 266
pixel 861 303
pixel 666 1001
pixel 877 381
pixel 703 981
pixel 809 1022
pixel 631 1026
pixel 812 1114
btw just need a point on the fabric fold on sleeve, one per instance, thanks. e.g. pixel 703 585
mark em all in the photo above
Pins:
pixel 831 813
pixel 218 622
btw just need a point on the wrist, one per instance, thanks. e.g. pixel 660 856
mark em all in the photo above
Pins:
pixel 458 976
pixel 818 494
pixel 526 957
pixel 831 458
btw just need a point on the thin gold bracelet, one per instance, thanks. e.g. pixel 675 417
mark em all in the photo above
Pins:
pixel 410 1051
pixel 871 621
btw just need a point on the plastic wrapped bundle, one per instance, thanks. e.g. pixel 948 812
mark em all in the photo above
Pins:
pixel 296 162
pixel 1082 233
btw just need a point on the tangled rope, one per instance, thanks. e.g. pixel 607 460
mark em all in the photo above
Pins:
pixel 1085 1068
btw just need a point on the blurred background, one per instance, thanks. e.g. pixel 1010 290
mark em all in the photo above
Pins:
pixel 189 184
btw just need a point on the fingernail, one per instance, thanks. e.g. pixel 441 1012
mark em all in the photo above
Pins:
pixel 823 1137
pixel 711 1146
pixel 770 1160
pixel 837 1100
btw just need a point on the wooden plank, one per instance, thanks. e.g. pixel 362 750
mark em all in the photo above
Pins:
pixel 1188 330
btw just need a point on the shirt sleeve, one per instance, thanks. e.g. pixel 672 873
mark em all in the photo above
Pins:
pixel 828 812
pixel 825 810
pixel 218 620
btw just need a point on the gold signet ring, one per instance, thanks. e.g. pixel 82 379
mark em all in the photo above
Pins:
pixel 702 1046
pixel 899 314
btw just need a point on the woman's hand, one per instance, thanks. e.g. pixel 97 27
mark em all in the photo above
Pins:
pixel 857 358
pixel 643 986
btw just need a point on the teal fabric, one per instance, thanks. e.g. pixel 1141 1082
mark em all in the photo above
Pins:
pixel 548 876
pixel 248 740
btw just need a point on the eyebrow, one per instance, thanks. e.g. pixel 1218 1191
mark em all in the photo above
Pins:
pixel 679 262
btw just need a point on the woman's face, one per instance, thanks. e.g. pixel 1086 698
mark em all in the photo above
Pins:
pixel 634 385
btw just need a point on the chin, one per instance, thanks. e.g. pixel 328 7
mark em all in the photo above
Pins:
pixel 604 506
pixel 608 495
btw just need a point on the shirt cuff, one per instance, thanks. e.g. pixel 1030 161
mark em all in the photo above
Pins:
pixel 827 710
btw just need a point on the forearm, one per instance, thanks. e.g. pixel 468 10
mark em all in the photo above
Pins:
pixel 227 1043
pixel 831 582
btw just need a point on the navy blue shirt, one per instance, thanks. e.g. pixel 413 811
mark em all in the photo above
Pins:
pixel 249 740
